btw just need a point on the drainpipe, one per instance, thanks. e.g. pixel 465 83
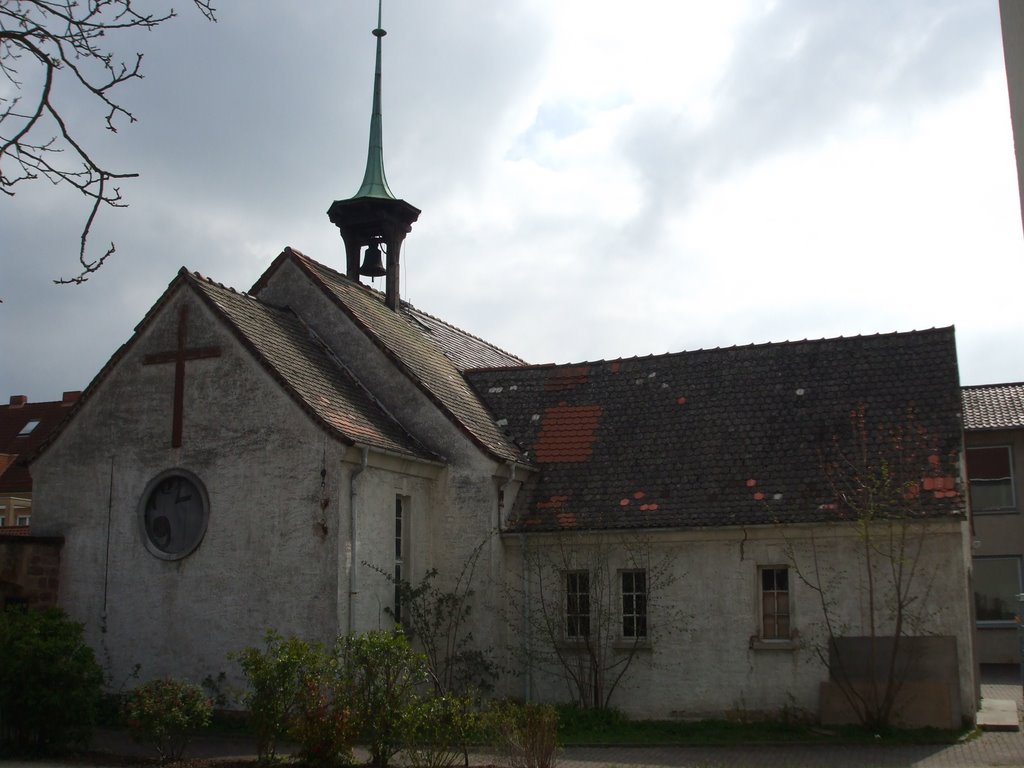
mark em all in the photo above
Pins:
pixel 353 560
pixel 527 631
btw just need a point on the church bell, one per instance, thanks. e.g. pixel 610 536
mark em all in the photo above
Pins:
pixel 372 264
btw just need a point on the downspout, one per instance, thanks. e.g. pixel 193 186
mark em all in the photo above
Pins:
pixel 527 632
pixel 352 528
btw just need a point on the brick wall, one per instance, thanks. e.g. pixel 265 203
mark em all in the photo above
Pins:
pixel 30 570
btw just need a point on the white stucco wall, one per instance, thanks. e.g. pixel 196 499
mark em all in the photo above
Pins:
pixel 269 553
pixel 273 556
pixel 701 660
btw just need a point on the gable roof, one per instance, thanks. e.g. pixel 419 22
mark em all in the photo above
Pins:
pixel 24 426
pixel 430 352
pixel 292 354
pixel 715 437
pixel 993 406
pixel 314 377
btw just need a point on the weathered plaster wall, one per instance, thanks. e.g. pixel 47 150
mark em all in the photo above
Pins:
pixel 462 510
pixel 268 558
pixel 702 660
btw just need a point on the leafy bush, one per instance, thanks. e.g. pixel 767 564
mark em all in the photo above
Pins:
pixel 50 683
pixel 438 730
pixel 275 676
pixel 322 723
pixel 166 714
pixel 527 733
pixel 383 669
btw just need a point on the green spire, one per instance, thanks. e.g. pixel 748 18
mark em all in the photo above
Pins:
pixel 375 184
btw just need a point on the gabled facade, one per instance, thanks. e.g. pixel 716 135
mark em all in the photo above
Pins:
pixel 994 436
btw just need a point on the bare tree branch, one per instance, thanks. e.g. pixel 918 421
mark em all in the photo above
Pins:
pixel 43 42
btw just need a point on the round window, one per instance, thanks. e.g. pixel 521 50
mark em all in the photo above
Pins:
pixel 173 514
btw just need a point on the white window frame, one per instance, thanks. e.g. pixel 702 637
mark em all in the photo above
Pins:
pixel 572 613
pixel 774 636
pixel 637 615
pixel 1012 507
pixel 23 520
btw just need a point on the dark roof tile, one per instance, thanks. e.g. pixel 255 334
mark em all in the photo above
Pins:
pixel 716 437
pixel 993 406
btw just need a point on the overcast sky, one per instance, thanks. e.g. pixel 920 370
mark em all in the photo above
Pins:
pixel 597 179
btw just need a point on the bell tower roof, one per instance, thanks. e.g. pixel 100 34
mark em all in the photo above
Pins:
pixel 374 220
pixel 375 183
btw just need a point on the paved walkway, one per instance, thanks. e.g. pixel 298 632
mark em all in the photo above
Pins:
pixel 989 749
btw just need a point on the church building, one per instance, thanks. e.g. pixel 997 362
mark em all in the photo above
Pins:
pixel 673 535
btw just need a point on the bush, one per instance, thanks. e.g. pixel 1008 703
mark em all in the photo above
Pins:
pixel 166 714
pixel 275 676
pixel 50 683
pixel 322 723
pixel 383 670
pixel 438 730
pixel 527 733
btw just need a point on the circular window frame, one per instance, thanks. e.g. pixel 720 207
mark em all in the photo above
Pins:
pixel 151 486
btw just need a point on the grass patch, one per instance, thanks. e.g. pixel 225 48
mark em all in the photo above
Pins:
pixel 580 727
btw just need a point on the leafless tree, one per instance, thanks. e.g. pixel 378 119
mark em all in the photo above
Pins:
pixel 573 616
pixel 889 482
pixel 49 48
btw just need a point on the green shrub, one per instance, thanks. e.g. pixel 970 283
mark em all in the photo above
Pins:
pixel 275 676
pixel 383 670
pixel 167 714
pixel 50 683
pixel 438 730
pixel 527 733
pixel 322 724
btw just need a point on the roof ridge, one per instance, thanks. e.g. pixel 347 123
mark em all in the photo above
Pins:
pixel 708 350
pixel 993 386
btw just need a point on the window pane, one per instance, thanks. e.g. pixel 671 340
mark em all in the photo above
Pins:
pixel 991 477
pixel 996 586
pixel 775 603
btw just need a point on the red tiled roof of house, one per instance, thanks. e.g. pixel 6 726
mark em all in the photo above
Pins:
pixel 23 428
pixel 993 406
pixel 720 437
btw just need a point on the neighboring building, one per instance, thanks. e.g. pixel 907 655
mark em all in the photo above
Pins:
pixel 1011 14
pixel 254 461
pixel 23 428
pixel 994 436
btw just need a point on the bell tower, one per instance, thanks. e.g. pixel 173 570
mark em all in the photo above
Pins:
pixel 373 222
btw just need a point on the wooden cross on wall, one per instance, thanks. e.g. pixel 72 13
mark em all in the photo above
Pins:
pixel 178 357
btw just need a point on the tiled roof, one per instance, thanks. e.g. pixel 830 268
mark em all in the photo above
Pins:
pixel 308 371
pixel 463 349
pixel 14 419
pixel 717 437
pixel 429 351
pixel 994 406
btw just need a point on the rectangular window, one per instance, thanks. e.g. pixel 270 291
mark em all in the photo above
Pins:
pixel 634 604
pixel 990 474
pixel 400 537
pixel 24 519
pixel 775 603
pixel 577 605
pixel 996 586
